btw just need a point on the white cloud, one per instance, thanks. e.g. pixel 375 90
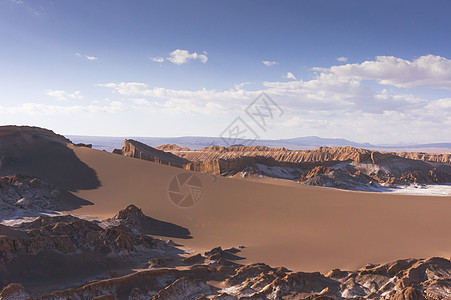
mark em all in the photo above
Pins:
pixel 269 63
pixel 180 57
pixel 17 1
pixel 334 103
pixel 87 56
pixel 39 109
pixel 62 95
pixel 290 76
pixel 90 57
pixel 141 101
pixel 342 59
pixel 427 71
pixel 182 101
pixel 240 86
pixel 157 59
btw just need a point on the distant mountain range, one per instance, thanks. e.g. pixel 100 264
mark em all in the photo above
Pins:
pixel 299 143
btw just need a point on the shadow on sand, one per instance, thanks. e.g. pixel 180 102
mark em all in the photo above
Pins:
pixel 156 227
pixel 38 153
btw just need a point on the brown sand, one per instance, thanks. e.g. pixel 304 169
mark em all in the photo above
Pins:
pixel 284 224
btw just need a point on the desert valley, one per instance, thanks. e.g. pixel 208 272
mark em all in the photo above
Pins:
pixel 81 223
pixel 239 149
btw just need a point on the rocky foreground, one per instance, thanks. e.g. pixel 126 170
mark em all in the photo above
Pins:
pixel 27 196
pixel 217 279
pixel 66 257
pixel 53 252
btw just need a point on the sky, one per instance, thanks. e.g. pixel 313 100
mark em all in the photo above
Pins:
pixel 367 71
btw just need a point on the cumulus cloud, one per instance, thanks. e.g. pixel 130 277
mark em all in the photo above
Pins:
pixel 180 57
pixel 321 94
pixel 63 95
pixel 157 59
pixel 269 63
pixel 86 56
pixel 201 101
pixel 429 71
pixel 342 59
pixel 290 76
pixel 336 102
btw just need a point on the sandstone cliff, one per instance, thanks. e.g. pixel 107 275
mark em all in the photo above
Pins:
pixel 342 167
pixel 139 150
pixel 296 156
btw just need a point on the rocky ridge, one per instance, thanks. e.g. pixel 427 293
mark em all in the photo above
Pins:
pixel 139 150
pixel 219 278
pixel 341 167
pixel 297 156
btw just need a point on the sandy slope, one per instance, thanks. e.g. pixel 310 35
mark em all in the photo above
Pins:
pixel 300 227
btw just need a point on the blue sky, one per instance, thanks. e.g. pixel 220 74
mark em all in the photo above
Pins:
pixel 368 71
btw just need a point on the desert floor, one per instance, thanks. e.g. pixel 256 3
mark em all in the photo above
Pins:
pixel 280 223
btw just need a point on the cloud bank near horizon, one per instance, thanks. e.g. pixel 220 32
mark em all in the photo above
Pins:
pixel 375 98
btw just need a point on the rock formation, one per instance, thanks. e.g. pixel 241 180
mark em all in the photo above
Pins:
pixel 171 147
pixel 339 167
pixel 403 279
pixel 297 156
pixel 342 167
pixel 48 156
pixel 22 196
pixel 139 150
pixel 67 249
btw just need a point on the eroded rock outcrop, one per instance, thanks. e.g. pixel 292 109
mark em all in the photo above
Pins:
pixel 22 195
pixel 67 234
pixel 339 167
pixel 13 291
pixel 297 156
pixel 43 154
pixel 139 150
pixel 133 219
pixel 335 167
pixel 403 279
pixel 66 249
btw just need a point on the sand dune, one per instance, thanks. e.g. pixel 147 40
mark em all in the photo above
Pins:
pixel 300 227
pixel 41 153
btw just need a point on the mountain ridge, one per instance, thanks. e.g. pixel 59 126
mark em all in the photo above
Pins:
pixel 297 143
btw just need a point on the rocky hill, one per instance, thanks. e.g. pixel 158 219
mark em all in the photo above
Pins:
pixel 297 156
pixel 32 131
pixel 341 167
pixel 139 150
pixel 40 153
